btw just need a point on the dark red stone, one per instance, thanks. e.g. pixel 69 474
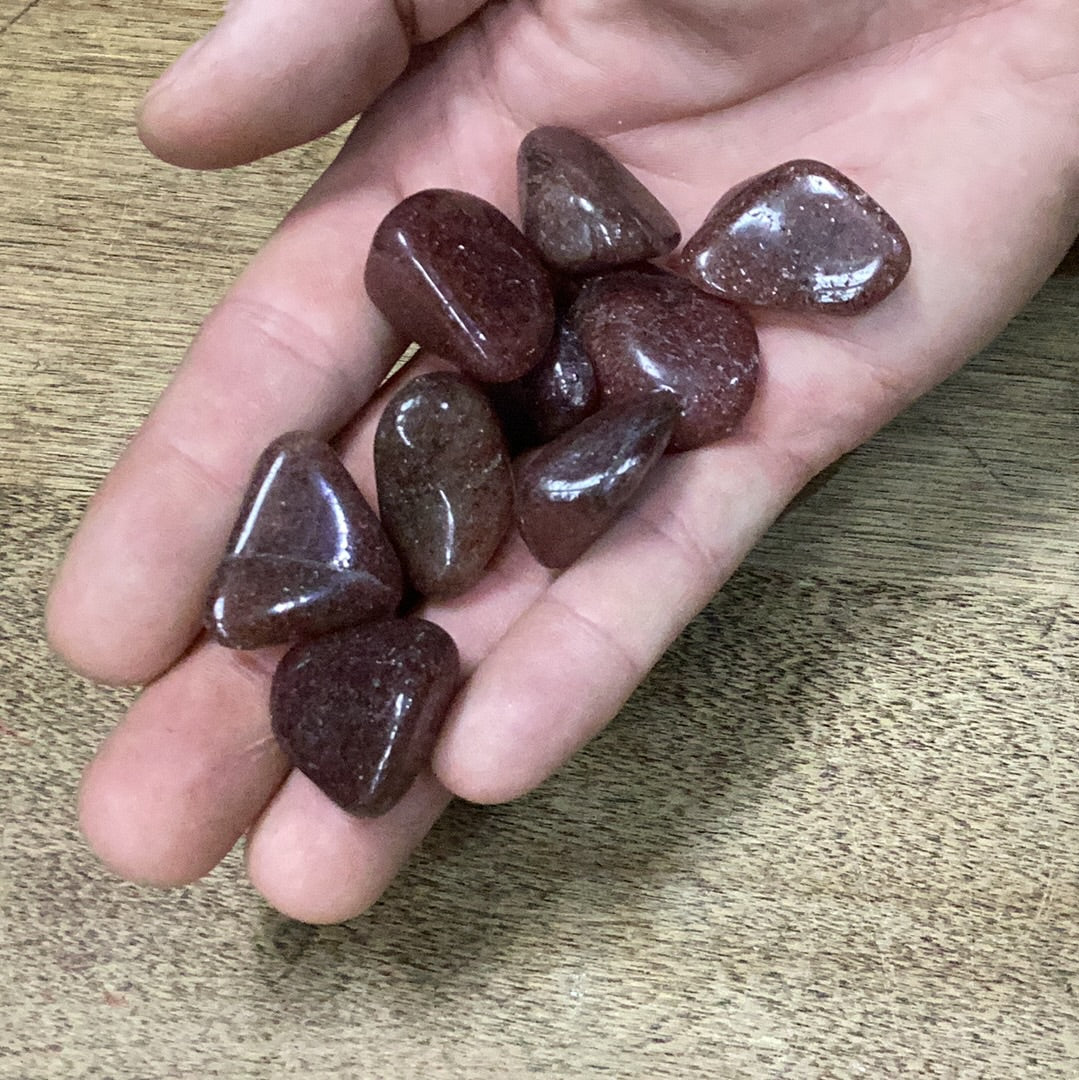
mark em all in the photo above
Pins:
pixel 584 210
pixel 455 275
pixel 800 237
pixel 554 396
pixel 307 554
pixel 648 331
pixel 358 711
pixel 445 485
pixel 570 491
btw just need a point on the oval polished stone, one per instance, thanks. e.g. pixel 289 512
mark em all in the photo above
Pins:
pixel 445 485
pixel 584 210
pixel 358 711
pixel 800 237
pixel 306 555
pixel 554 396
pixel 570 491
pixel 649 331
pixel 454 274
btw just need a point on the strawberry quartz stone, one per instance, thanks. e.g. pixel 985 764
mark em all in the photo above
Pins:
pixel 644 331
pixel 358 711
pixel 307 554
pixel 452 273
pixel 585 211
pixel 800 237
pixel 445 485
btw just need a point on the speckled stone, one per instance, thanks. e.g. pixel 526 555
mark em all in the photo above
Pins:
pixel 307 554
pixel 584 210
pixel 800 237
pixel 454 274
pixel 445 484
pixel 649 331
pixel 358 711
pixel 554 396
pixel 570 491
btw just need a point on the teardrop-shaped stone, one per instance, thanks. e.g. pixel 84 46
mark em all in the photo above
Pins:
pixel 570 491
pixel 556 394
pixel 455 275
pixel 307 554
pixel 358 711
pixel 584 210
pixel 649 331
pixel 445 485
pixel 800 237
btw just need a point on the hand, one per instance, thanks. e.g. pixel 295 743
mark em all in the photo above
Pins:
pixel 961 118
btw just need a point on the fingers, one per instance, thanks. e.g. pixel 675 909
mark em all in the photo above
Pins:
pixel 194 764
pixel 175 785
pixel 277 73
pixel 295 344
pixel 315 863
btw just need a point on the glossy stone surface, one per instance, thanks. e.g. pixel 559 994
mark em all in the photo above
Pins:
pixel 358 711
pixel 584 210
pixel 554 396
pixel 454 274
pixel 801 237
pixel 648 331
pixel 306 555
pixel 570 491
pixel 445 485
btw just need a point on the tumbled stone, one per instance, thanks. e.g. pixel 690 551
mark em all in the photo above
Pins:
pixel 570 491
pixel 800 237
pixel 648 331
pixel 554 396
pixel 445 485
pixel 306 555
pixel 584 210
pixel 455 275
pixel 358 711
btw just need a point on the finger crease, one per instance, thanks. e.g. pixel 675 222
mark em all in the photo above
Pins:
pixel 634 668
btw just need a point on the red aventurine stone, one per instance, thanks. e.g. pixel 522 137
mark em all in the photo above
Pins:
pixel 554 396
pixel 445 485
pixel 306 555
pixel 454 274
pixel 570 491
pixel 800 237
pixel 649 331
pixel 358 711
pixel 584 210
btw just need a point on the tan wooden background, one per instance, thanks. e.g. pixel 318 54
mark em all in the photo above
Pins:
pixel 836 834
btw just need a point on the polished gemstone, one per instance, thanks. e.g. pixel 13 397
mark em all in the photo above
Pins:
pixel 801 237
pixel 584 210
pixel 570 491
pixel 445 485
pixel 358 711
pixel 554 396
pixel 454 274
pixel 648 331
pixel 306 555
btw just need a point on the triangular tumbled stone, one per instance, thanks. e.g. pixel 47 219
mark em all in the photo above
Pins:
pixel 358 711
pixel 307 554
pixel 584 210
pixel 800 237
pixel 571 490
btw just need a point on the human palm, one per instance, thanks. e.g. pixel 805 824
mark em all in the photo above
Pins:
pixel 960 117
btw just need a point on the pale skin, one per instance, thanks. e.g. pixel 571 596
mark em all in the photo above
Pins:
pixel 961 117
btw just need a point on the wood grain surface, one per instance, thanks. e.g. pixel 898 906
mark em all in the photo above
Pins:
pixel 835 834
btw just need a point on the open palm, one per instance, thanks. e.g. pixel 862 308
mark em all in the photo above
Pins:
pixel 960 117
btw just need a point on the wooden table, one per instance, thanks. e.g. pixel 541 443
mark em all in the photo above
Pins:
pixel 836 834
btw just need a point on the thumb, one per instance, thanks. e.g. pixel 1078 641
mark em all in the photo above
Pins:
pixel 276 73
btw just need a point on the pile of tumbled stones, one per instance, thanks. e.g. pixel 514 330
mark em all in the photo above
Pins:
pixel 578 363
